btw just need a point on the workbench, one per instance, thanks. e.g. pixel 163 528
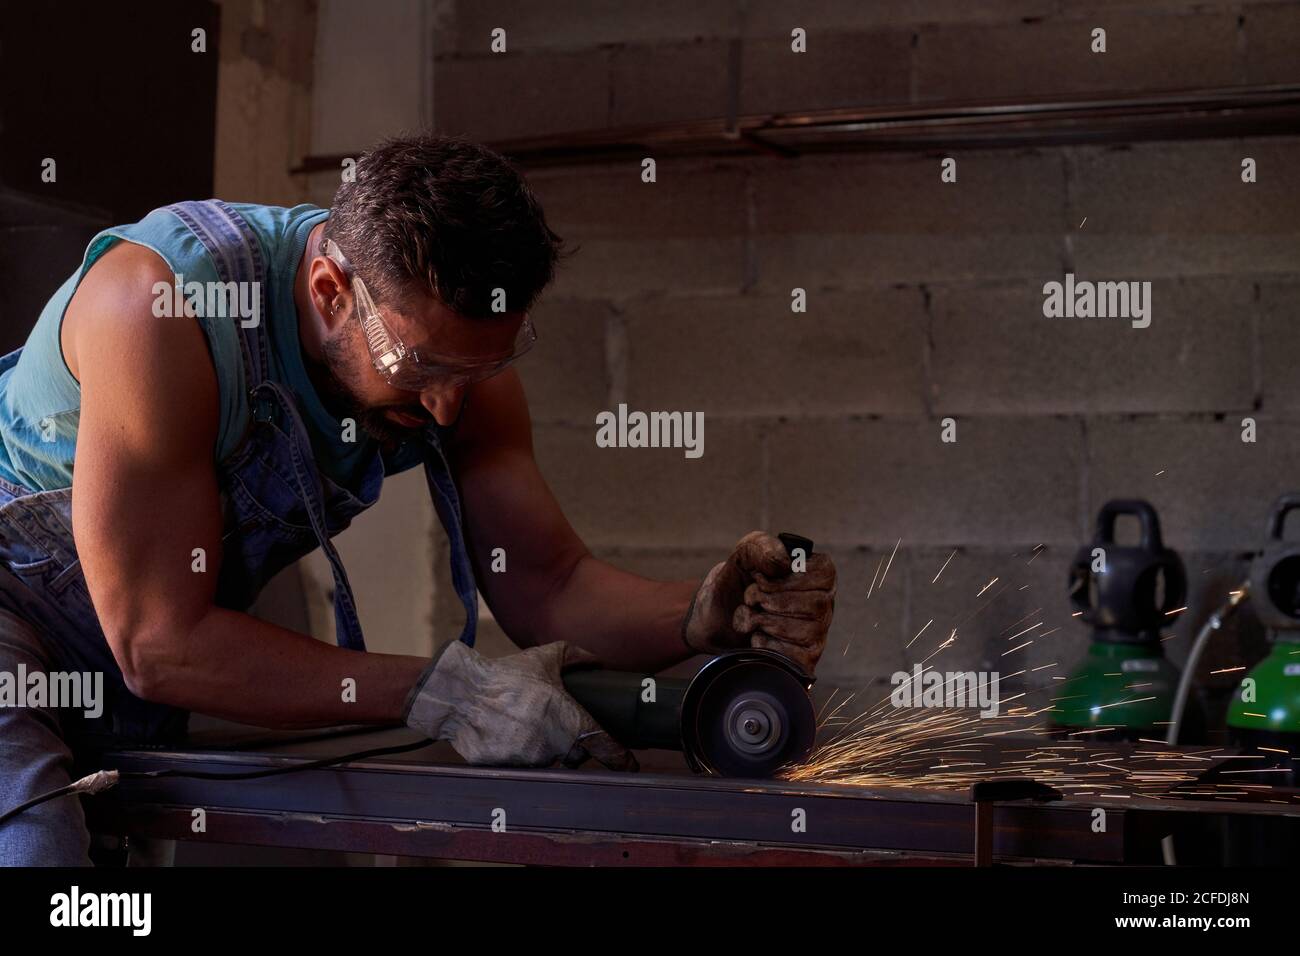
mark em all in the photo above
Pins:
pixel 426 803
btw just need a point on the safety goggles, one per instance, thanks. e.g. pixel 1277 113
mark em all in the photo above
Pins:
pixel 406 368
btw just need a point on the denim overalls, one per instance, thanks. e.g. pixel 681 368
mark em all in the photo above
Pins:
pixel 276 508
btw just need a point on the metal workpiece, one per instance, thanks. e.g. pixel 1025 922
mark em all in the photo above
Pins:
pixel 410 807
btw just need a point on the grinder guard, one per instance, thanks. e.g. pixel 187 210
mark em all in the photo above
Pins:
pixel 746 714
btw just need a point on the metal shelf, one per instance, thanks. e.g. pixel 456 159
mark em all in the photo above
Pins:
pixel 1122 118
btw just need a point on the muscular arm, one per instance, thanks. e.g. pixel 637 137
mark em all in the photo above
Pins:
pixel 553 589
pixel 145 496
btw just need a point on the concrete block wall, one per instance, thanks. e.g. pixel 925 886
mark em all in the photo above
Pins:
pixel 924 302
pixel 581 64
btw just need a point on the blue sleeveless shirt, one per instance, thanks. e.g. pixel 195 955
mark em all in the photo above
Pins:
pixel 277 503
pixel 40 401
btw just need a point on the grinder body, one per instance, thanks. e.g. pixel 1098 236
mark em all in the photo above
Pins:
pixel 622 703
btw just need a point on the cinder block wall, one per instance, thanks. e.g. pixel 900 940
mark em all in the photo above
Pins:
pixel 295 77
pixel 924 302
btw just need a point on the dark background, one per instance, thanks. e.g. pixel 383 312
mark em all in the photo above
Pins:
pixel 128 132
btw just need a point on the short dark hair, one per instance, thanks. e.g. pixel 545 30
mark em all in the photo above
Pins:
pixel 442 216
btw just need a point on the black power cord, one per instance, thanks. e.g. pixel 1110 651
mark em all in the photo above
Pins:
pixel 81 786
pixel 104 779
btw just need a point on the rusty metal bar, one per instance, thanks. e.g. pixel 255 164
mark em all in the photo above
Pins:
pixel 441 810
pixel 410 805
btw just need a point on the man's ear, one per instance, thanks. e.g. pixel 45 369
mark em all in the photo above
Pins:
pixel 329 291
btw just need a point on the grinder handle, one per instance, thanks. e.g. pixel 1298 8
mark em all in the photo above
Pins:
pixel 792 541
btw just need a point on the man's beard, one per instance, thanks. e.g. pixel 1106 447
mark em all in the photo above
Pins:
pixel 338 352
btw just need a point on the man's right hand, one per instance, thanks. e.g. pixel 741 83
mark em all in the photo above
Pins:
pixel 511 711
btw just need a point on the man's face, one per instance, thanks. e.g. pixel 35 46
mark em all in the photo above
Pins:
pixel 391 415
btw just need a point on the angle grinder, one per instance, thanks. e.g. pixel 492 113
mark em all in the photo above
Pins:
pixel 745 713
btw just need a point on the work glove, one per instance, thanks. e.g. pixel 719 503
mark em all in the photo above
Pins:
pixel 754 599
pixel 511 711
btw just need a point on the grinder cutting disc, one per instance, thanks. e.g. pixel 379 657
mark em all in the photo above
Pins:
pixel 747 714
